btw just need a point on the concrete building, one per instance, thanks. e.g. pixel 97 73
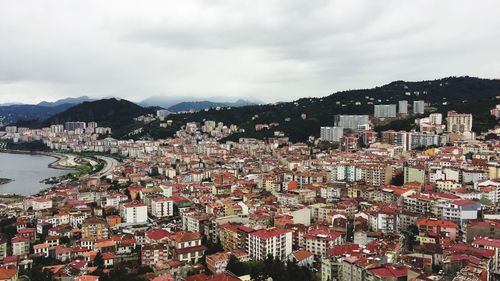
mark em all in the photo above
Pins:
pixel 384 111
pixel 95 227
pixel 459 122
pixel 162 113
pixel 134 212
pixel 414 174
pixel 353 122
pixel 162 207
pixel 41 204
pixel 331 134
pixel 403 107
pixel 418 107
pixel 272 241
pixel 71 126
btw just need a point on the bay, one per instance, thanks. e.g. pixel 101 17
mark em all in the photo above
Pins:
pixel 26 171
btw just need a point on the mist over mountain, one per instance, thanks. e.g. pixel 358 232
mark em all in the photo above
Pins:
pixel 201 105
pixel 176 103
pixel 76 100
pixel 14 112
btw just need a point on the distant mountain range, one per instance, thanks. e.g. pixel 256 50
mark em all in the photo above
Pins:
pixel 201 105
pixel 180 104
pixel 298 119
pixel 65 101
pixel 12 112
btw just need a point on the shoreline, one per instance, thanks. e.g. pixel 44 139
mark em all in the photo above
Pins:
pixel 53 165
pixel 5 181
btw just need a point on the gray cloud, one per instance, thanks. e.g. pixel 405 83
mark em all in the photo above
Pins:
pixel 264 49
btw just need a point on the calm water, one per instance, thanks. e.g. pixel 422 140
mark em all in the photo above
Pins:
pixel 27 171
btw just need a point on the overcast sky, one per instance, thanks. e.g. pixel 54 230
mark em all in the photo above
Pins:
pixel 267 50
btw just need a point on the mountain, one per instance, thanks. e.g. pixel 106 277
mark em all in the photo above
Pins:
pixel 304 117
pixel 107 112
pixel 187 103
pixel 12 113
pixel 464 94
pixel 201 105
pixel 20 112
pixel 65 101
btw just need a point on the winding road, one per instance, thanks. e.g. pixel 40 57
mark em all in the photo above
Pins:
pixel 109 164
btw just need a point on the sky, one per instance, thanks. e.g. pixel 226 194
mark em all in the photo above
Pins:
pixel 259 50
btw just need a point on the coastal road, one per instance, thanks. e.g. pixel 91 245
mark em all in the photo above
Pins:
pixel 109 164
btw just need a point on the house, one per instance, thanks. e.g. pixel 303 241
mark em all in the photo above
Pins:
pixel 95 227
pixel 154 253
pixel 39 204
pixel 302 258
pixel 318 241
pixel 20 246
pixel 41 249
pixel 217 262
pixel 186 246
pixel 8 273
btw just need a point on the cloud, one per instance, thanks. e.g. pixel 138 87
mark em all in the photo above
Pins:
pixel 263 49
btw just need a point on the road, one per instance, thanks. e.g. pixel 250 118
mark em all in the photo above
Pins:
pixel 109 164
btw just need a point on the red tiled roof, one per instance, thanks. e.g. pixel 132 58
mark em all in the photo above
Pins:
pixel 157 234
pixel 464 202
pixel 266 234
pixel 185 236
pixel 190 249
pixel 134 204
pixel 197 277
pixel 487 242
pixel 246 228
pixel 435 222
pixel 8 272
pixel 390 271
pixel 301 255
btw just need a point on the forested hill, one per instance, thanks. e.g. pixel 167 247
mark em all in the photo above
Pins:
pixel 106 111
pixel 464 94
pixel 304 117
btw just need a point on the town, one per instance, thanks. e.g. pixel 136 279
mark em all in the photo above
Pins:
pixel 352 204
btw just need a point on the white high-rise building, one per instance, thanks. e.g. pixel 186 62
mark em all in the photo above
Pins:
pixel 385 111
pixel 403 107
pixel 418 107
pixel 353 122
pixel 134 212
pixel 436 118
pixel 162 207
pixel 162 113
pixel 331 134
pixel 276 242
pixel 71 126
pixel 57 128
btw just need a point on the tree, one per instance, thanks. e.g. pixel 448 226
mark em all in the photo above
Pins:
pixel 485 201
pixel 37 273
pixel 98 260
pixel 398 179
pixel 235 266
pixel 411 236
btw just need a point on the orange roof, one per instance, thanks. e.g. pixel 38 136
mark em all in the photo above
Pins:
pixel 184 236
pixel 8 272
pixel 301 255
pixel 437 223
pixel 40 246
pixel 86 278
